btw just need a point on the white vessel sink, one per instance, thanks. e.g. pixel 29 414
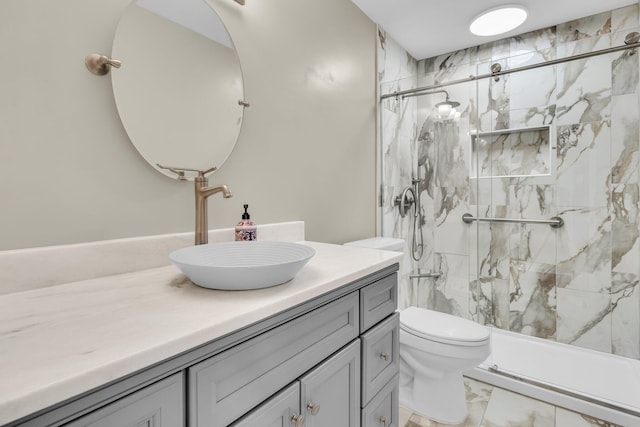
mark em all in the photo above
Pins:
pixel 242 265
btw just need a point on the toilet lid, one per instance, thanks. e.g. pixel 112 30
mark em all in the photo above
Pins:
pixel 442 327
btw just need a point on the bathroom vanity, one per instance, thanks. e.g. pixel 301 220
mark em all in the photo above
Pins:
pixel 150 348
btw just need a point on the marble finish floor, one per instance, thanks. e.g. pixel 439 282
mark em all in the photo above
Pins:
pixel 491 406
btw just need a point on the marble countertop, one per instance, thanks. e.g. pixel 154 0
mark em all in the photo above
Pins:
pixel 60 341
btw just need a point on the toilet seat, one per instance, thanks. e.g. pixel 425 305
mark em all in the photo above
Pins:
pixel 443 328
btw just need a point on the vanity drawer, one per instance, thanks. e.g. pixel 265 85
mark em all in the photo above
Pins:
pixel 383 410
pixel 160 404
pixel 225 386
pixel 378 300
pixel 279 410
pixel 380 356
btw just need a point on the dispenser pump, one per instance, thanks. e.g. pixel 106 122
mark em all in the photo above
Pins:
pixel 245 215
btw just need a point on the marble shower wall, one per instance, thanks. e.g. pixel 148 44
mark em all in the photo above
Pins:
pixel 577 158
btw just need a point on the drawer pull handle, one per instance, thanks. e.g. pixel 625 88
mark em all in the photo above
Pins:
pixel 297 420
pixel 314 408
pixel 384 421
pixel 384 355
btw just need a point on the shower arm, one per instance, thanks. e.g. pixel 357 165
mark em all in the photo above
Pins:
pixel 428 92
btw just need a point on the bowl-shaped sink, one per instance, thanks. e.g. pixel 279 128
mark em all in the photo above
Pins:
pixel 242 265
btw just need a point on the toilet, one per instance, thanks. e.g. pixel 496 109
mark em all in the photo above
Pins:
pixel 435 348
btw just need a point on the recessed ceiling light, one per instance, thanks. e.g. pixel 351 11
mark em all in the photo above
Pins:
pixel 498 20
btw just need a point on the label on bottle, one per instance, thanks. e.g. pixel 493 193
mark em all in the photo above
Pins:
pixel 246 231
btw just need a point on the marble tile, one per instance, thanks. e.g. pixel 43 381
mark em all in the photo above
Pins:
pixel 584 91
pixel 453 66
pixel 584 45
pixel 494 99
pixel 481 304
pixel 450 292
pixel 489 191
pixel 405 414
pixel 584 319
pixel 393 62
pixel 509 153
pixel 510 409
pixel 625 123
pixel 533 242
pixel 625 232
pixel 450 234
pixel 584 250
pixel 532 299
pixel 618 37
pixel 500 304
pixel 589 26
pixel 494 250
pixel 625 317
pixel 624 69
pixel 625 18
pixel 543 40
pixel 583 160
pixel 543 79
pixel 448 162
pixel 532 116
pixel 566 418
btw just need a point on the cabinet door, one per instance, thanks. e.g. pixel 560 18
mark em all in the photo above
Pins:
pixel 158 405
pixel 330 393
pixel 380 356
pixel 383 410
pixel 282 410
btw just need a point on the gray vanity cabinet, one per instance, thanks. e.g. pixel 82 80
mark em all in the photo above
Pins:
pixel 328 362
pixel 158 405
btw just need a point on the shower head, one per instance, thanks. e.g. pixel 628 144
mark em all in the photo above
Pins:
pixel 447 109
pixel 452 104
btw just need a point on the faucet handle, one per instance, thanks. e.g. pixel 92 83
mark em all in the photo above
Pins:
pixel 180 171
pixel 206 172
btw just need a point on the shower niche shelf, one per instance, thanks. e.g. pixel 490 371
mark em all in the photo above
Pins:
pixel 506 153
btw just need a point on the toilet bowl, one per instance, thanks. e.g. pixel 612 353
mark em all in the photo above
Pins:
pixel 435 348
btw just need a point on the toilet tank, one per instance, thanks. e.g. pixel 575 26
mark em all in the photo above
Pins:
pixel 385 243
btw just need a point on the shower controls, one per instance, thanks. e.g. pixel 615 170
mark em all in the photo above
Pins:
pixel 405 200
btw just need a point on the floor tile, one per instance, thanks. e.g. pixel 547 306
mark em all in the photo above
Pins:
pixel 566 418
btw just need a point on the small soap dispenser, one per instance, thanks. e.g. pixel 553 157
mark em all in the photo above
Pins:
pixel 246 229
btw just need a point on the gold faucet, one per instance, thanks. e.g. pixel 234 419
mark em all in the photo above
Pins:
pixel 202 193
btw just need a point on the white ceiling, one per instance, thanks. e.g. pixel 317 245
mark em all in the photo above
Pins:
pixel 427 28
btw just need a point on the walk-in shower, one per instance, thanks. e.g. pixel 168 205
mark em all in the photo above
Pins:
pixel 528 200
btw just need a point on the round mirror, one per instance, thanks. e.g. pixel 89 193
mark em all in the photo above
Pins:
pixel 179 91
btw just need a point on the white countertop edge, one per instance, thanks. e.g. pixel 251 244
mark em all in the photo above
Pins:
pixel 323 274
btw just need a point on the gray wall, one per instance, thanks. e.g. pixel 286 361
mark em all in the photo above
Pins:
pixel 68 172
